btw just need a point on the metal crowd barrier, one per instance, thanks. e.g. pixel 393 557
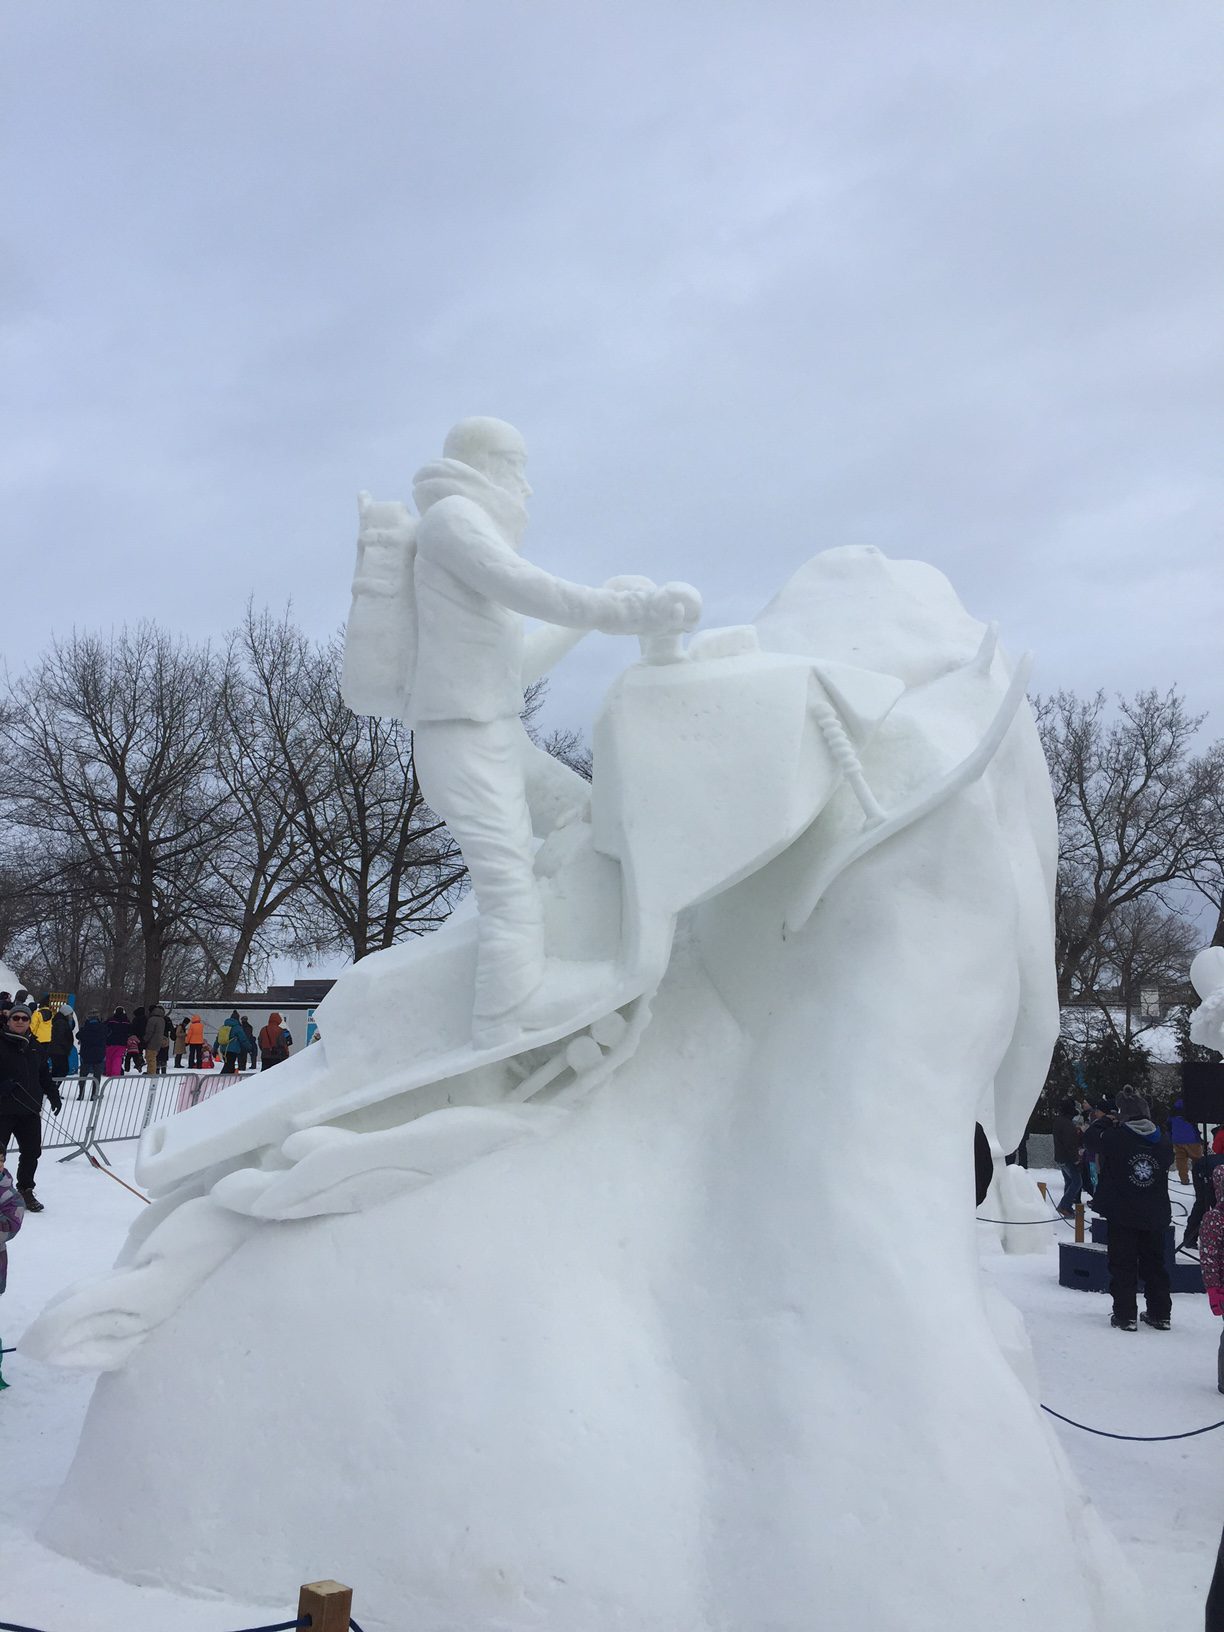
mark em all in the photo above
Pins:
pixel 96 1110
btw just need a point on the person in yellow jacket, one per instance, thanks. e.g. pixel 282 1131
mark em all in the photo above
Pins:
pixel 40 1022
pixel 195 1042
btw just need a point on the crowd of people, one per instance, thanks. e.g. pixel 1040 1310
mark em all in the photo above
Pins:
pixel 150 1038
pixel 38 1039
pixel 1115 1154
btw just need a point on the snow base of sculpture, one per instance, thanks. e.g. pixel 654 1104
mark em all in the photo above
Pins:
pixel 689 1349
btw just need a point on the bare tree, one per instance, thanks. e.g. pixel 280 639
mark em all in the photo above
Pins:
pixel 1143 949
pixel 1130 795
pixel 257 869
pixel 572 749
pixel 105 770
pixel 562 742
pixel 1209 877
pixel 378 864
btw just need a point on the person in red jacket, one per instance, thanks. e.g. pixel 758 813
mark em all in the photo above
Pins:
pixel 1217 1141
pixel 274 1042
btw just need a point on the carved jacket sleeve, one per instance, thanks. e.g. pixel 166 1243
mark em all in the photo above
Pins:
pixel 480 560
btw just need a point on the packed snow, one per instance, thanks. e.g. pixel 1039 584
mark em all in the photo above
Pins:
pixel 1165 1503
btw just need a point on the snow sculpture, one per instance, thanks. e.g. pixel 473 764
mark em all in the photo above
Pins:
pixel 457 673
pixel 1207 978
pixel 617 1333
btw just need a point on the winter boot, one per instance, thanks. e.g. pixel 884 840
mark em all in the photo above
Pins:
pixel 1125 1323
pixel 33 1205
pixel 1159 1325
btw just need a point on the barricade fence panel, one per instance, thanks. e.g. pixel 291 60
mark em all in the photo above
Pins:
pixel 109 1108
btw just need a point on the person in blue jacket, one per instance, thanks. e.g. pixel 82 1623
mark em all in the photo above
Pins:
pixel 91 1045
pixel 1187 1145
pixel 1133 1195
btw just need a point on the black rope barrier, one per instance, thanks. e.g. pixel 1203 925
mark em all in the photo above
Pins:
pixel 1015 1223
pixel 1146 1439
pixel 278 1626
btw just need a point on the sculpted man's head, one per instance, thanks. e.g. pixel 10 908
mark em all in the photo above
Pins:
pixel 493 448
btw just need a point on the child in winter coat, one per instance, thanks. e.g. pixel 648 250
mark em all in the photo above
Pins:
pixel 1211 1259
pixel 12 1211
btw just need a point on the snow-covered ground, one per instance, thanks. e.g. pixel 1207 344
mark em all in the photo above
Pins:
pixel 1165 1502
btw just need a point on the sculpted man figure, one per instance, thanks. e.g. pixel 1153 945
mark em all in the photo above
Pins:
pixel 473 662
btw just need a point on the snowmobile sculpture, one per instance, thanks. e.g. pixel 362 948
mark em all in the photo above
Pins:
pixel 711 759
pixel 616 1343
pixel 707 766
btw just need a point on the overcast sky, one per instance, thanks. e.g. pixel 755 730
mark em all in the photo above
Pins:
pixel 754 279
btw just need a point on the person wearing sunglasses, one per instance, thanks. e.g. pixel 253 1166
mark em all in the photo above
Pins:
pixel 25 1080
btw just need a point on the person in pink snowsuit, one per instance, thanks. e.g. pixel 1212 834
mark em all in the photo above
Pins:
pixel 1211 1259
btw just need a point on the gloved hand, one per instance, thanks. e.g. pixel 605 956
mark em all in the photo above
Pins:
pixel 56 1102
pixel 675 606
pixel 1215 1297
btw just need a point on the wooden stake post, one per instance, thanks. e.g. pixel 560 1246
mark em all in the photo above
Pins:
pixel 1045 1194
pixel 1079 1221
pixel 328 1604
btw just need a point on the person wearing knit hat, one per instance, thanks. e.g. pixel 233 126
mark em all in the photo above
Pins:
pixel 1133 1195
pixel 25 1080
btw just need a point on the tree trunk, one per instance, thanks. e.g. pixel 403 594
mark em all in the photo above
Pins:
pixel 238 958
pixel 154 957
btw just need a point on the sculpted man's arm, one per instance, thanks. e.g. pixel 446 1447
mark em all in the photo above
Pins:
pixel 475 555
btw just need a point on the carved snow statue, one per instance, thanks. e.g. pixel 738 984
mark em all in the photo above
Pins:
pixel 1207 978
pixel 592 1320
pixel 453 662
